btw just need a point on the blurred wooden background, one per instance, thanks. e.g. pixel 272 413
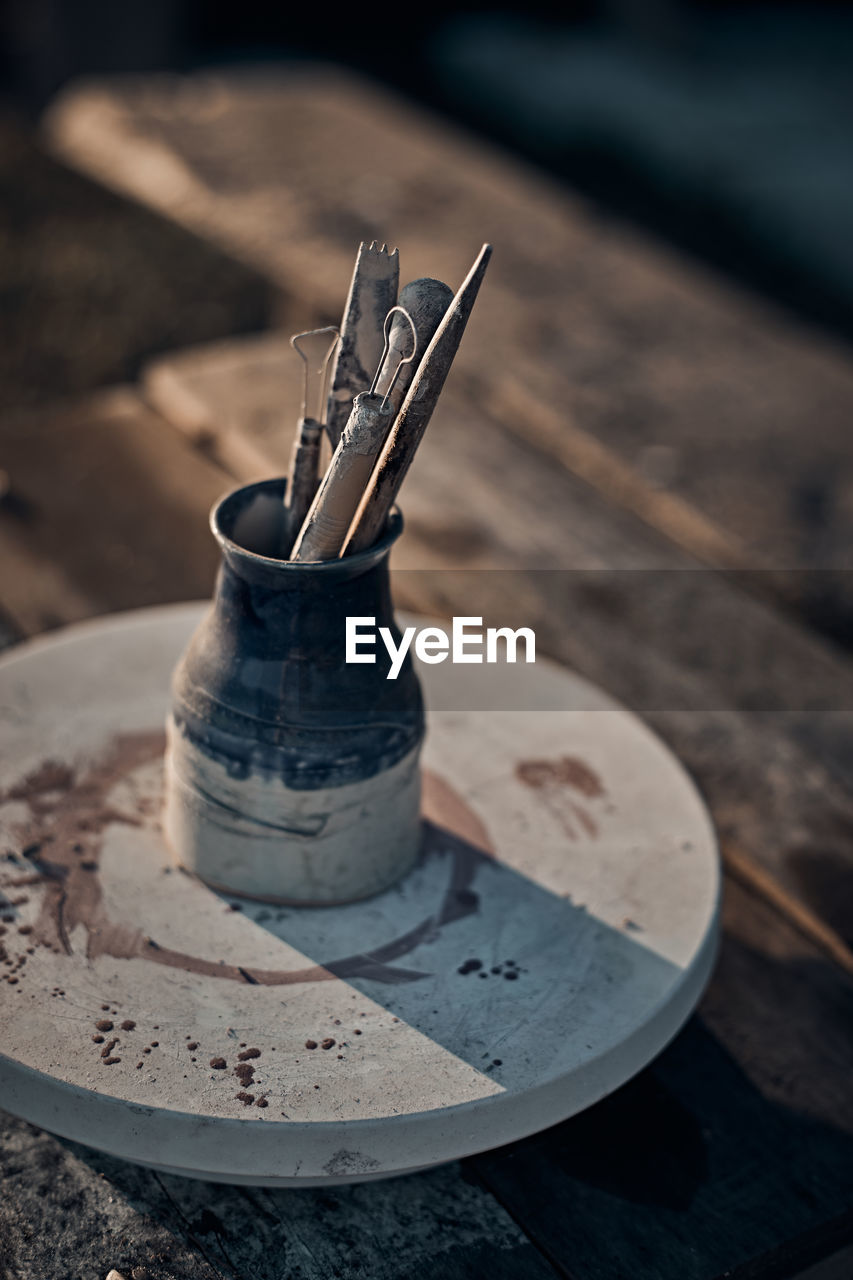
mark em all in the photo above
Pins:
pixel 618 415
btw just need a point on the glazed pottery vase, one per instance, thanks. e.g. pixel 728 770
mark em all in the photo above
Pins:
pixel 292 775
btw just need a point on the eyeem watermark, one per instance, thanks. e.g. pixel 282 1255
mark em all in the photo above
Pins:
pixel 467 642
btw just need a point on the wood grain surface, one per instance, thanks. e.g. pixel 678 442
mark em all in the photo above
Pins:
pixel 732 1155
pixel 746 1120
pixel 92 285
pixel 732 417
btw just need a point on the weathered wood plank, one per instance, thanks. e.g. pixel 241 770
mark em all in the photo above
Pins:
pixel 92 284
pixel 61 1217
pixel 711 413
pixel 777 1021
pixel 827 1243
pixel 839 1266
pixel 92 1213
pixel 736 1142
pixel 110 512
pixel 240 398
pixel 758 709
pixel 768 1071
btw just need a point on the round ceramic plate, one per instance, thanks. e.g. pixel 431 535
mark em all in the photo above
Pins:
pixel 556 932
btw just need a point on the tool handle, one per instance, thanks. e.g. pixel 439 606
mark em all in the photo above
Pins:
pixel 373 292
pixel 304 477
pixel 327 523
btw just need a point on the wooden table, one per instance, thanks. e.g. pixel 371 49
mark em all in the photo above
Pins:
pixel 732 1155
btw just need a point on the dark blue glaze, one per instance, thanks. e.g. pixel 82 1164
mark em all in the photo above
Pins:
pixel 264 688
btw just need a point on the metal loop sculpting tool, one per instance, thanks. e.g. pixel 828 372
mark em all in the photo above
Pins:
pixel 322 368
pixel 402 362
pixel 425 301
pixel 305 456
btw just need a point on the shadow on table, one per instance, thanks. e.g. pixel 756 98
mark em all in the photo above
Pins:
pixel 519 982
pixel 686 1171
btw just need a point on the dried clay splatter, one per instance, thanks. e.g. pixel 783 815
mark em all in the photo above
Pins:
pixel 555 780
pixel 69 815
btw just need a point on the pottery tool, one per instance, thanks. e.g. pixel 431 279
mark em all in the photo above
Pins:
pixel 328 520
pixel 423 302
pixel 305 457
pixel 372 294
pixel 415 413
pixel 420 309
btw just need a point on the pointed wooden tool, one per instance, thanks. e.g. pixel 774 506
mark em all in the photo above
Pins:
pixel 415 413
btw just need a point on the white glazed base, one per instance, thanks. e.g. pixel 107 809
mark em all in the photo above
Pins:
pixel 330 845
pixel 567 848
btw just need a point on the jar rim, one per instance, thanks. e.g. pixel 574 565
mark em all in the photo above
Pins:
pixel 239 499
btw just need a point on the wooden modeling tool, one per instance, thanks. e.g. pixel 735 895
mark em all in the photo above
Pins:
pixel 372 294
pixel 304 459
pixel 415 413
pixel 425 302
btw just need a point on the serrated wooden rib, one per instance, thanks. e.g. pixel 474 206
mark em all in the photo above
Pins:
pixel 372 294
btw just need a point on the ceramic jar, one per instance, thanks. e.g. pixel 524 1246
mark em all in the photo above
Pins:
pixel 292 775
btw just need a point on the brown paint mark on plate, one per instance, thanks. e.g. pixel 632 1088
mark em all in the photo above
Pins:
pixel 553 778
pixel 586 820
pixel 71 813
pixel 567 771
pixel 50 776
